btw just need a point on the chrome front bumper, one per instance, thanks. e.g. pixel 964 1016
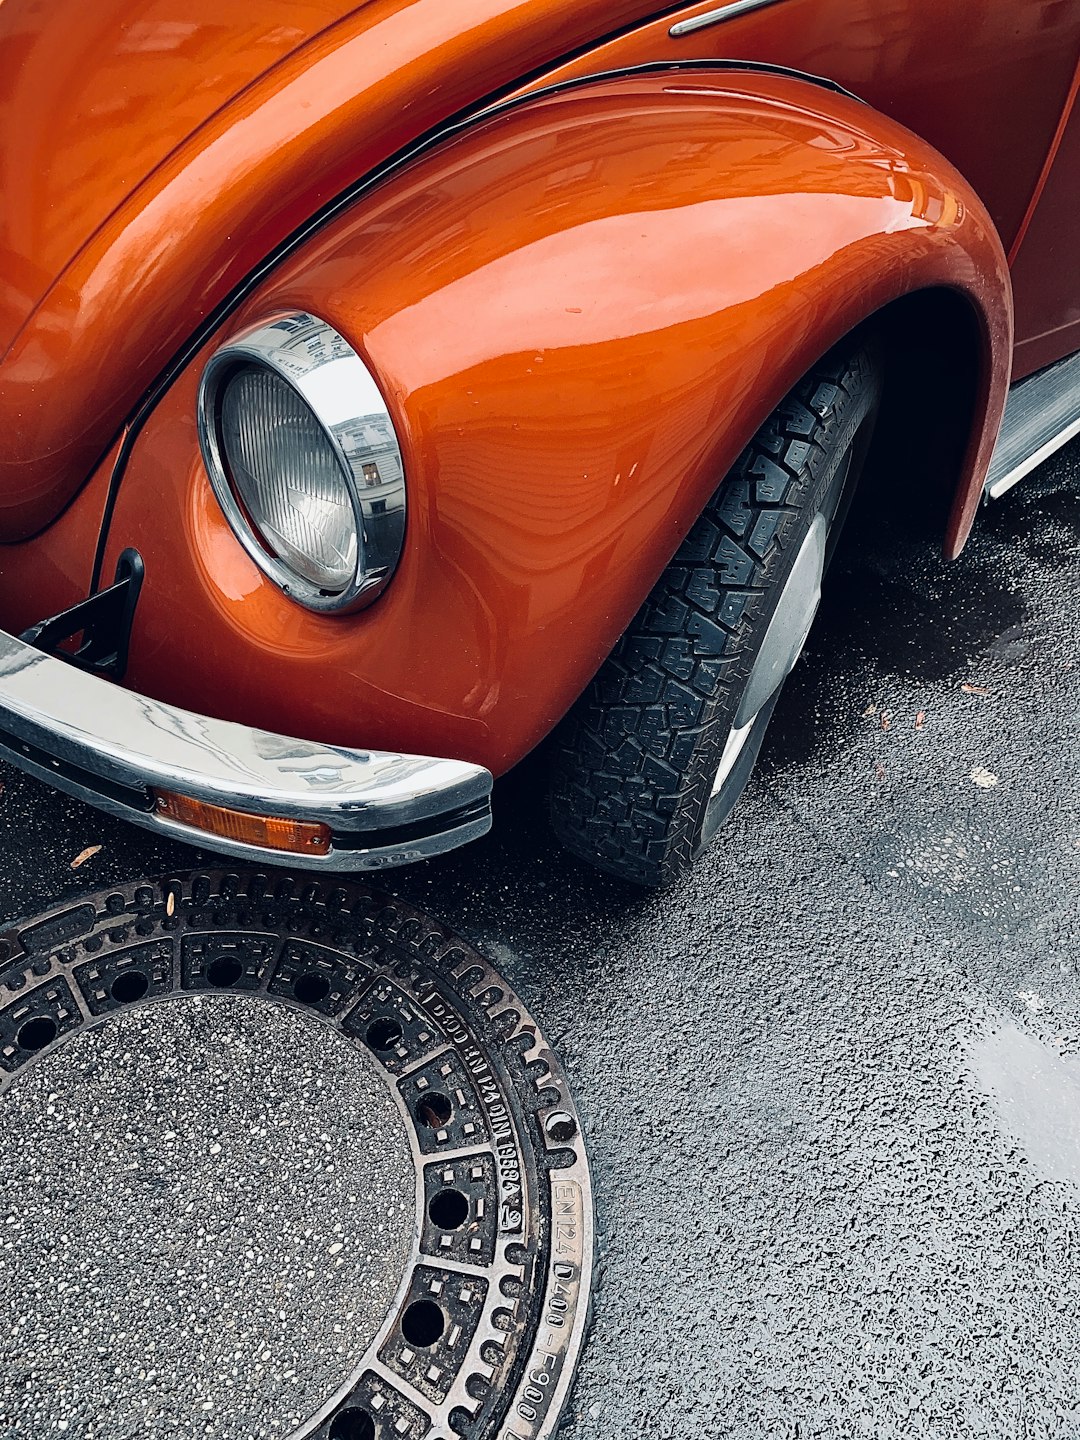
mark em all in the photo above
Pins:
pixel 111 747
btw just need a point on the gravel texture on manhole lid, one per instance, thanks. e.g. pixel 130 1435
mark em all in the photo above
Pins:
pixel 279 1158
pixel 206 1207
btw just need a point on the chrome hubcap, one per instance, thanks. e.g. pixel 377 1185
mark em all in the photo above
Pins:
pixel 736 743
pixel 789 627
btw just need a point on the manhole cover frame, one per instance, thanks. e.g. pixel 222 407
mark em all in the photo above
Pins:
pixel 432 1012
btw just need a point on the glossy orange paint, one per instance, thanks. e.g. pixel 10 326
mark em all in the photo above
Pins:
pixel 153 152
pixel 93 97
pixel 984 81
pixel 1045 274
pixel 184 141
pixel 580 310
pixel 42 576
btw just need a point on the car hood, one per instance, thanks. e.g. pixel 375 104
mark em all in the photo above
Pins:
pixel 94 97
pixel 153 152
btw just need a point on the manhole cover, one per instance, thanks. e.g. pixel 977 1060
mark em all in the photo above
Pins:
pixel 279 1159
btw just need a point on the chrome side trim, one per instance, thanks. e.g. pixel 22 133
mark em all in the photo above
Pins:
pixel 717 17
pixel 110 747
pixel 1042 413
pixel 1034 460
pixel 341 393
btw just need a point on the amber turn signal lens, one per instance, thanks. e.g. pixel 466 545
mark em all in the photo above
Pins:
pixel 268 832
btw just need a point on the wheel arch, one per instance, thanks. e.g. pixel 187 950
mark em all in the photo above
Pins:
pixel 581 308
pixel 938 368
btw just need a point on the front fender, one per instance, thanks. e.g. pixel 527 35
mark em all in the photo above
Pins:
pixel 581 309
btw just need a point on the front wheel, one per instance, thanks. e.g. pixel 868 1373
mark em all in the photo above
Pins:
pixel 652 758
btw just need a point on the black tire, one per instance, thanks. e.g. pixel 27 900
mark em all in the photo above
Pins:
pixel 634 763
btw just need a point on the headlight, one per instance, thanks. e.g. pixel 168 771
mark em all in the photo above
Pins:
pixel 302 454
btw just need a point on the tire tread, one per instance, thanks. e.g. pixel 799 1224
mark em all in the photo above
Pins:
pixel 629 763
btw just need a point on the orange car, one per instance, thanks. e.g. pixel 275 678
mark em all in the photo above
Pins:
pixel 418 378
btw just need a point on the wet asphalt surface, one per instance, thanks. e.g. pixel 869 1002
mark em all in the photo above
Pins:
pixel 831 1082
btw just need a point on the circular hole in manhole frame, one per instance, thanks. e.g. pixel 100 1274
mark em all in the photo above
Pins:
pixel 35 1034
pixel 223 971
pixel 500 1138
pixel 352 1424
pixel 384 1033
pixel 448 1209
pixel 311 987
pixel 423 1324
pixel 129 986
pixel 434 1110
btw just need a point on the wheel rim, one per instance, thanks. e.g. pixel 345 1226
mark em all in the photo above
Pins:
pixel 738 735
pixel 789 628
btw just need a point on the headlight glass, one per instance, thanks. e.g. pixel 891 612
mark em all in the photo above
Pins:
pixel 302 453
pixel 288 476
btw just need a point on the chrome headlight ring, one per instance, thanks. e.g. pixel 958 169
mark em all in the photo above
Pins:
pixel 301 452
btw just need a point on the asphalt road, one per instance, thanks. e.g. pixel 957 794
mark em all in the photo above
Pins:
pixel 832 1081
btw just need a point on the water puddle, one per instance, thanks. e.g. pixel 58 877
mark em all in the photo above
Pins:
pixel 1035 1092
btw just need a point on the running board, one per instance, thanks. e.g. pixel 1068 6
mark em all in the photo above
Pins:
pixel 1041 414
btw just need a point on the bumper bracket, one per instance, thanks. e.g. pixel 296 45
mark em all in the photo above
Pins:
pixel 98 630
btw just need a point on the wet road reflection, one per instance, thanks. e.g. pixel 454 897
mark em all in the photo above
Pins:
pixel 1035 1093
